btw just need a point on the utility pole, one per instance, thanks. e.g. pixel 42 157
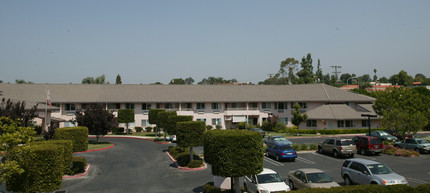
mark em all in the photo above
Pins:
pixel 336 72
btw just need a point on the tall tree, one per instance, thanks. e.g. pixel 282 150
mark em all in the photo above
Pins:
pixel 126 116
pixel 298 117
pixel 318 73
pixel 306 75
pixel 402 78
pixel 190 134
pixel 153 117
pixel 216 80
pixel 21 81
pixel 163 118
pixel 118 79
pixel 189 80
pixel 375 78
pixel 98 120
pixel 92 80
pixel 287 67
pixel 17 111
pixel 404 123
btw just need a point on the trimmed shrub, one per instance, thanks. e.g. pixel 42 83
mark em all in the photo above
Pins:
pixel 175 150
pixel 423 188
pixel 209 127
pixel 303 147
pixel 79 164
pixel 195 163
pixel 78 135
pixel 313 146
pixel 190 133
pixel 172 127
pixel 43 166
pixel 138 129
pixel 118 130
pixel 67 146
pixel 296 146
pixel 183 159
pixel 210 188
pixel 148 129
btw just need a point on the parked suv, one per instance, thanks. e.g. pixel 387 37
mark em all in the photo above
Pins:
pixel 338 147
pixel 368 144
pixel 363 171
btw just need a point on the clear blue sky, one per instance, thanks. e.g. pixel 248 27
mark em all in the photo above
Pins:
pixel 148 41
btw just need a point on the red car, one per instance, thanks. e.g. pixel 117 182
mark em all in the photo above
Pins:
pixel 368 144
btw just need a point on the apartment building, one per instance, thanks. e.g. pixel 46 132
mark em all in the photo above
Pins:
pixel 225 105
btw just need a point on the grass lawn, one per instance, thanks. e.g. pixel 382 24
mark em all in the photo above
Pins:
pixel 102 144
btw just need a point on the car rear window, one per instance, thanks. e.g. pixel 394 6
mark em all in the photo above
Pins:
pixel 285 147
pixel 347 142
pixel 375 141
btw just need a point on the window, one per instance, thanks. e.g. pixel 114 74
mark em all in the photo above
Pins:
pixel 204 120
pixel 69 124
pixel 283 120
pixel 341 123
pixel 146 106
pixel 330 141
pixel 365 123
pixel 168 105
pixel 186 106
pixel 113 106
pixel 302 105
pixel 311 123
pixel 216 121
pixel 145 123
pixel 129 105
pixel 266 105
pixel 201 106
pixel 158 106
pixel 216 106
pixel 70 107
pixel 349 123
pixel 253 106
pixel 83 106
pixel 280 105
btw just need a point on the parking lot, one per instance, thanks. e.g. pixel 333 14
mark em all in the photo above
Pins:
pixel 415 169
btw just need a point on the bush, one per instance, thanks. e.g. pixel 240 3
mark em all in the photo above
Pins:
pixel 175 150
pixel 118 130
pixel 210 188
pixel 423 188
pixel 296 146
pixel 313 146
pixel 78 135
pixel 129 131
pixel 195 164
pixel 391 150
pixel 138 129
pixel 79 165
pixel 148 129
pixel 303 147
pixel 183 159
pixel 209 127
pixel 67 146
pixel 43 166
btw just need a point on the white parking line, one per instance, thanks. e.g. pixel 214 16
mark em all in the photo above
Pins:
pixel 305 160
pixel 416 180
pixel 334 159
pixel 273 161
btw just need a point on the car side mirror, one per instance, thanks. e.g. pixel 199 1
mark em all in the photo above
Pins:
pixel 283 179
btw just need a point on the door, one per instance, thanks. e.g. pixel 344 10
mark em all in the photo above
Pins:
pixel 251 184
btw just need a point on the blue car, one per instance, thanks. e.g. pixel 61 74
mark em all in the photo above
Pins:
pixel 281 151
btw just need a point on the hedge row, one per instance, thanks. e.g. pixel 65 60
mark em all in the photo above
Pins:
pixel 79 164
pixel 43 166
pixel 78 135
pixel 182 157
pixel 210 188
pixel 67 146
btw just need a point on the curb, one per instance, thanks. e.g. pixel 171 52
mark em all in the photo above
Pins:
pixel 79 175
pixel 184 168
pixel 113 145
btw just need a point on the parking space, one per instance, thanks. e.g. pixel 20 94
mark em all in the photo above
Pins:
pixel 415 169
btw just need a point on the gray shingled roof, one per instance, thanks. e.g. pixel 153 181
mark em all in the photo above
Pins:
pixel 337 112
pixel 90 93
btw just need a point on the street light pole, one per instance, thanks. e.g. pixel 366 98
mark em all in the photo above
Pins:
pixel 368 119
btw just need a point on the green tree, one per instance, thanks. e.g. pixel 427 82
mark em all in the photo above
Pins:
pixel 163 118
pixel 17 111
pixel 287 67
pixel 12 134
pixel 98 120
pixel 375 78
pixel 298 117
pixel 189 80
pixel 384 80
pixel 318 73
pixel 404 123
pixel 118 79
pixel 21 81
pixel 216 80
pixel 92 80
pixel 126 116
pixel 177 81
pixel 306 75
pixel 171 126
pixel 190 134
pixel 153 117
pixel 228 150
pixel 401 79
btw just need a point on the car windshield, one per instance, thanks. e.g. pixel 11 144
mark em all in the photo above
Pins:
pixel 268 178
pixel 422 141
pixel 279 139
pixel 383 133
pixel 347 142
pixel 285 147
pixel 319 178
pixel 379 169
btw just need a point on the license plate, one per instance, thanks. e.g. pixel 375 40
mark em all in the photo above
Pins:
pixel 289 153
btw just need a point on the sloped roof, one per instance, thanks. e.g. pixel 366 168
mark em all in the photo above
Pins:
pixel 90 93
pixel 337 112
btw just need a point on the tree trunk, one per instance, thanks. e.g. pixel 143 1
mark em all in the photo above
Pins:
pixel 237 185
pixel 97 139
pixel 126 128
pixel 164 135
pixel 298 130
pixel 191 154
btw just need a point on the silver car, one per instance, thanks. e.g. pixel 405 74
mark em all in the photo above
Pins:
pixel 363 171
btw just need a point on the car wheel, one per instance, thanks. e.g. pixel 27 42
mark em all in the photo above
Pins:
pixel 417 150
pixel 278 158
pixel 290 183
pixel 335 154
pixel 347 180
pixel 320 150
pixel 362 152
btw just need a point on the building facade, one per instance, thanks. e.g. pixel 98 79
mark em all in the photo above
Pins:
pixel 224 105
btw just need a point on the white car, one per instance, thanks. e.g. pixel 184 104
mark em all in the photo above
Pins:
pixel 173 138
pixel 265 182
